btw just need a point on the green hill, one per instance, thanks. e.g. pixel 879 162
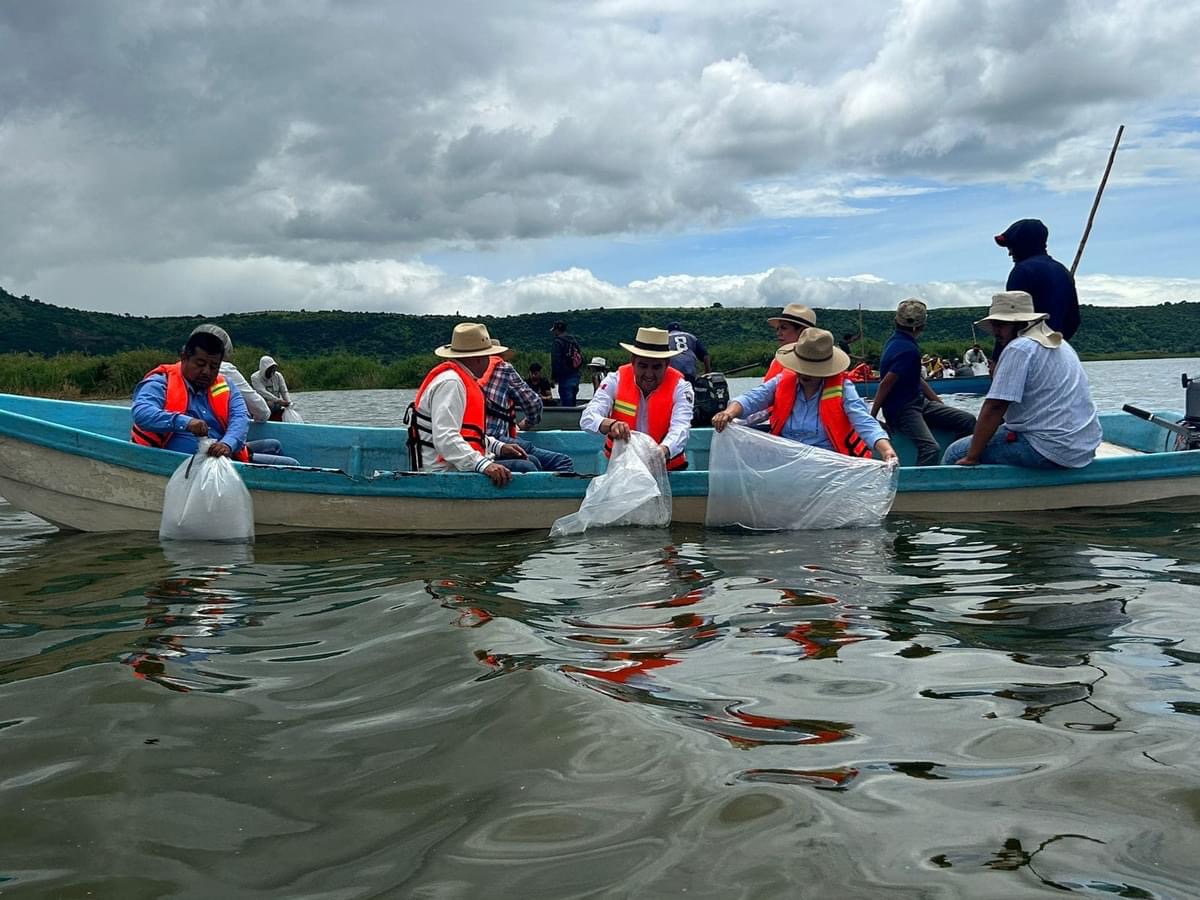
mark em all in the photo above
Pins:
pixel 58 351
pixel 30 326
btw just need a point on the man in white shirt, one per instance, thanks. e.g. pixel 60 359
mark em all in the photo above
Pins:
pixel 1039 411
pixel 447 421
pixel 645 395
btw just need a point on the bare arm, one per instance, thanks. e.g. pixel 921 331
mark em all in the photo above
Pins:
pixel 881 393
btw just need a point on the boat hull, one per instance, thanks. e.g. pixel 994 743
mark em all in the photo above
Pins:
pixel 72 465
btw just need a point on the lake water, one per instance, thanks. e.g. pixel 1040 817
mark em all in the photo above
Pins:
pixel 925 709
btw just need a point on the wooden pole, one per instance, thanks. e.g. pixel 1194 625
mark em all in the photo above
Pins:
pixel 1096 203
pixel 862 336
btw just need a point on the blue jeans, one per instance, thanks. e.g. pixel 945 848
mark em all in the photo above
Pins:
pixel 269 452
pixel 568 388
pixel 547 460
pixel 520 465
pixel 1006 448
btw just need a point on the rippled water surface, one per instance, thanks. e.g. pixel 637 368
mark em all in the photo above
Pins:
pixel 927 709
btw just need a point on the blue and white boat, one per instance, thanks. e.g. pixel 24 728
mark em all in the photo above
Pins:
pixel 73 465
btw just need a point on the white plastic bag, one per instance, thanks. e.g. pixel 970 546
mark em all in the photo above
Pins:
pixel 290 414
pixel 206 501
pixel 634 491
pixel 760 481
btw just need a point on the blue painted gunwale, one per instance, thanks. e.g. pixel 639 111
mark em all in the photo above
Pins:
pixel 350 455
pixel 976 384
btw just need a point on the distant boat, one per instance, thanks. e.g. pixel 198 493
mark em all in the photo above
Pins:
pixel 73 465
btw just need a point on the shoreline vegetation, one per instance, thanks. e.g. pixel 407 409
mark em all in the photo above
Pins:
pixel 52 351
pixel 78 376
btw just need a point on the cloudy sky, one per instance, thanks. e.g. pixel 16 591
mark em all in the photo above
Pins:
pixel 481 156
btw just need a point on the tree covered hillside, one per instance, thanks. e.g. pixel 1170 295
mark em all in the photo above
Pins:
pixel 30 326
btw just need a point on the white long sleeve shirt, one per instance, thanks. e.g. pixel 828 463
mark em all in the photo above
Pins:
pixel 682 403
pixel 256 406
pixel 445 402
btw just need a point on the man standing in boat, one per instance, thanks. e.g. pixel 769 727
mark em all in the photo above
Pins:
pixel 645 395
pixel 447 420
pixel 566 359
pixel 911 406
pixel 1040 275
pixel 177 404
pixel 1039 411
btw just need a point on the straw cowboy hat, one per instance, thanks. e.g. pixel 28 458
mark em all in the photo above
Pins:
pixel 652 343
pixel 1017 306
pixel 815 354
pixel 797 314
pixel 598 362
pixel 469 339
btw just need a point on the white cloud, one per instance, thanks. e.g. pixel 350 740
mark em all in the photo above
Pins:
pixel 202 139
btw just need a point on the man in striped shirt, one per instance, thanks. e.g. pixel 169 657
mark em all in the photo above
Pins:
pixel 1039 411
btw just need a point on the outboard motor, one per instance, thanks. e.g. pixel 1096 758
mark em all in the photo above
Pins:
pixel 712 396
pixel 1187 429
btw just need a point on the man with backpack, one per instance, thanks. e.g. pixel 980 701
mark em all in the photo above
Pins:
pixel 566 359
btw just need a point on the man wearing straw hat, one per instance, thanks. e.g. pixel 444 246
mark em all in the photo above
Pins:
pixel 788 326
pixel 1039 411
pixel 912 407
pixel 813 402
pixel 447 420
pixel 644 395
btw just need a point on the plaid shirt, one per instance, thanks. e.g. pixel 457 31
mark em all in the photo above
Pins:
pixel 508 391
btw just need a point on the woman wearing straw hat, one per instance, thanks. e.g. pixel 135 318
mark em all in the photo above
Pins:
pixel 811 401
pixel 788 326
pixel 447 420
pixel 644 395
pixel 1038 412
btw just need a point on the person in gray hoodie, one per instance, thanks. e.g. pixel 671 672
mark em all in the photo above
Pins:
pixel 270 383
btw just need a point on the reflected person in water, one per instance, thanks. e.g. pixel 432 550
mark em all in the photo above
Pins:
pixel 645 395
pixel 447 421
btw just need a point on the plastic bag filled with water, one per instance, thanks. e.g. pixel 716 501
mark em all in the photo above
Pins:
pixel 206 500
pixel 760 481
pixel 634 490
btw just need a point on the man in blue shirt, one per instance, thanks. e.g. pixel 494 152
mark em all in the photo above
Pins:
pixel 691 351
pixel 1038 274
pixel 176 405
pixel 909 403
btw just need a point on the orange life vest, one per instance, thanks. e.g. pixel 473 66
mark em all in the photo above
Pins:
pixel 773 369
pixel 861 372
pixel 176 401
pixel 658 410
pixel 420 426
pixel 506 413
pixel 836 423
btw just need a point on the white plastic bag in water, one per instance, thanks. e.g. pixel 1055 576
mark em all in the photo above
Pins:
pixel 761 481
pixel 634 491
pixel 290 414
pixel 207 501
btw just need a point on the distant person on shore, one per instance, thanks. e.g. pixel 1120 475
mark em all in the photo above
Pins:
pixel 912 407
pixel 692 352
pixel 510 405
pixel 1038 274
pixel 566 359
pixel 1038 412
pixel 176 404
pixel 599 368
pixel 256 406
pixel 788 326
pixel 811 401
pixel 645 395
pixel 447 419
pixel 540 383
pixel 271 384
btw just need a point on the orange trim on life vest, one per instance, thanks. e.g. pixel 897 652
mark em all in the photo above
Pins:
pixel 176 401
pixel 660 404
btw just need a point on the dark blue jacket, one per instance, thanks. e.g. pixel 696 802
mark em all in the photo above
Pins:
pixel 1041 276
